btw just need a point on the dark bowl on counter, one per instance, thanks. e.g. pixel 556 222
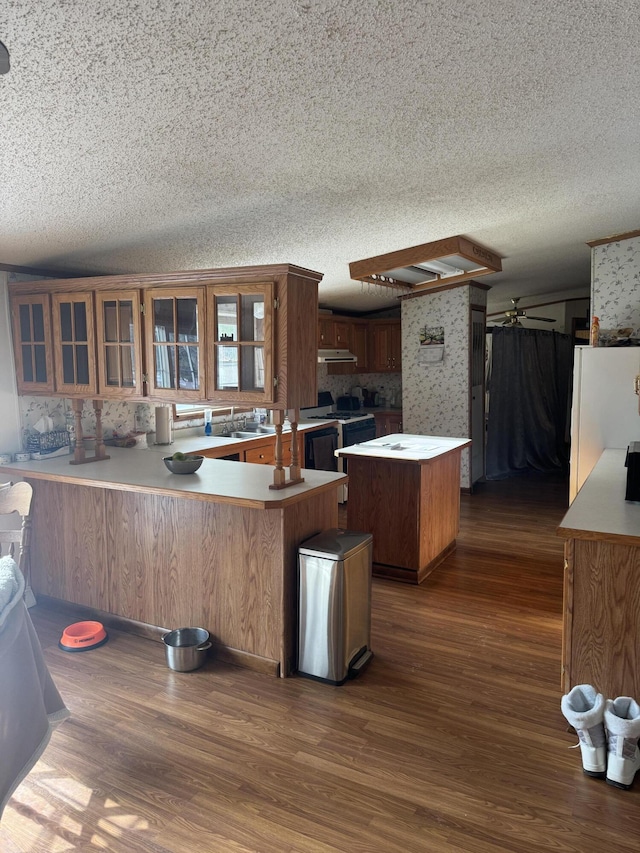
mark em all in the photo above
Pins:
pixel 188 465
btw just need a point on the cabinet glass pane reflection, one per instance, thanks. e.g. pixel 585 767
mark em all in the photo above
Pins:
pixel 176 337
pixel 119 342
pixel 163 321
pixel 34 359
pixel 240 322
pixel 227 368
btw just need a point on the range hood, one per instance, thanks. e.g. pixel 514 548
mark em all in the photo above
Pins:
pixel 333 356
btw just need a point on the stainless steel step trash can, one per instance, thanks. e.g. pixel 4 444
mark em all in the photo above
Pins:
pixel 334 605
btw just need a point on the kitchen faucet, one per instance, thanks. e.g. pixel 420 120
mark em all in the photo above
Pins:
pixel 228 426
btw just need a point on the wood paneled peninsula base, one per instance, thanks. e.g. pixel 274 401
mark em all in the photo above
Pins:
pixel 405 490
pixel 152 551
pixel 600 638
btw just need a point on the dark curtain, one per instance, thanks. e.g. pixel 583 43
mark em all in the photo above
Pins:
pixel 529 395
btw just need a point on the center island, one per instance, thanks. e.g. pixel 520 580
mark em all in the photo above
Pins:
pixel 148 551
pixel 405 491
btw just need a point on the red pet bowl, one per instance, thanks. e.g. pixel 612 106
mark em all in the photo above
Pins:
pixel 82 636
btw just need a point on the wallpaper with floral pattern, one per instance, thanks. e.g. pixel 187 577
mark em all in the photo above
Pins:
pixel 435 396
pixel 615 283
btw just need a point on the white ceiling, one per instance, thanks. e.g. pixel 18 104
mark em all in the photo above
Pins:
pixel 161 135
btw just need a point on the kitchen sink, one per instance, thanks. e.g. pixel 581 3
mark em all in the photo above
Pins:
pixel 259 428
pixel 245 433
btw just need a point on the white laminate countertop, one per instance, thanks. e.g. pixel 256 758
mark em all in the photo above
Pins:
pixel 142 470
pixel 599 510
pixel 403 446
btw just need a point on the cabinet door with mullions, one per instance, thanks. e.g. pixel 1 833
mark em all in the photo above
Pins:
pixel 74 343
pixel 31 319
pixel 241 365
pixel 175 334
pixel 119 344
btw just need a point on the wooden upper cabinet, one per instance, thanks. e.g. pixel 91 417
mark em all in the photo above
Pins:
pixel 31 322
pixel 119 355
pixel 74 344
pixel 358 337
pixel 326 333
pixel 386 346
pixel 175 334
pixel 333 333
pixel 241 344
pixel 240 334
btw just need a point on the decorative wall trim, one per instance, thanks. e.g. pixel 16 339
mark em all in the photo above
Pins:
pixel 614 239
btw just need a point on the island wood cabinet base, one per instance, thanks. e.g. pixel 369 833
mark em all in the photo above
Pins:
pixel 156 560
pixel 412 509
pixel 397 573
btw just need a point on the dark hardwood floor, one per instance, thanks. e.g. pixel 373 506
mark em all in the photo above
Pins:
pixel 452 741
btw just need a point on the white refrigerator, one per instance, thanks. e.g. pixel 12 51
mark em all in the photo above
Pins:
pixel 604 410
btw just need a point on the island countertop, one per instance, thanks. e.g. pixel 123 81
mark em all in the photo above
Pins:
pixel 405 447
pixel 142 470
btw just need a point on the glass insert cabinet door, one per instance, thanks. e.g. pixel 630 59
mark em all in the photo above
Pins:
pixel 174 332
pixel 119 350
pixel 73 335
pixel 241 350
pixel 31 318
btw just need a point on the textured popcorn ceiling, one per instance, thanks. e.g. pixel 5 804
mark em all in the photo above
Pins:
pixel 157 135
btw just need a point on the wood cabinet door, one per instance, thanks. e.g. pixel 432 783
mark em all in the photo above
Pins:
pixel 382 425
pixel 341 334
pixel 380 358
pixel 395 422
pixel 326 333
pixel 241 336
pixel 395 346
pixel 31 323
pixel 74 344
pixel 358 337
pixel 118 332
pixel 175 335
pixel 386 346
pixel 360 347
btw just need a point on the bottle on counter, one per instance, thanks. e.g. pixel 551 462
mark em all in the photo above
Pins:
pixel 382 400
pixel 595 332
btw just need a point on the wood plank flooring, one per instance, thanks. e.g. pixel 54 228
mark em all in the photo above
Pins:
pixel 452 741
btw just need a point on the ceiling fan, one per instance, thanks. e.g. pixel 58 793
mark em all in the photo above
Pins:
pixel 514 315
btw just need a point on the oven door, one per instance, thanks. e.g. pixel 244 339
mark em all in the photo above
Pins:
pixel 353 432
pixel 319 449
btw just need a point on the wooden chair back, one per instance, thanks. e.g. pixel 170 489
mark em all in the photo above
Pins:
pixel 15 501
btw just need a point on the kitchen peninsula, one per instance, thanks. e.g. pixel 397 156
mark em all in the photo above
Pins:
pixel 146 550
pixel 405 490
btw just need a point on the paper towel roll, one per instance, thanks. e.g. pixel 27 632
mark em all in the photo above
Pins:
pixel 163 425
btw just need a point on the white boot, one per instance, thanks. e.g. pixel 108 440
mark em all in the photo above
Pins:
pixel 583 708
pixel 622 722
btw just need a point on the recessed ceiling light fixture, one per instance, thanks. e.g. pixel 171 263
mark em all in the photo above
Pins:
pixel 428 265
pixel 4 59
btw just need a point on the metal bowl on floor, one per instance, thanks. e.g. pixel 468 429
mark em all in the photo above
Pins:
pixel 186 648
